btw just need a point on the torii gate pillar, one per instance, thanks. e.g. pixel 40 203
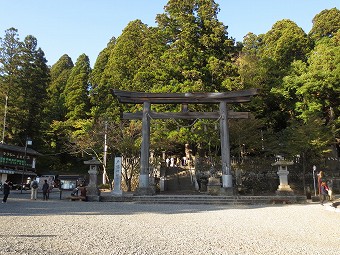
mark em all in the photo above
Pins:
pixel 144 188
pixel 225 148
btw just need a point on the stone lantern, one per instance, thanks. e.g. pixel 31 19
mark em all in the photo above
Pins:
pixel 92 191
pixel 284 188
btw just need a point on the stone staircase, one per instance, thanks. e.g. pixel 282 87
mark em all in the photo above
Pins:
pixel 178 181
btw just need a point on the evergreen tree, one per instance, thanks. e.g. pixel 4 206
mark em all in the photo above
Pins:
pixel 125 59
pixel 10 54
pixel 315 86
pixel 275 51
pixel 60 73
pixel 126 68
pixel 199 51
pixel 325 24
pixel 197 56
pixel 101 94
pixel 34 81
pixel 76 91
pixel 24 78
pixel 284 43
pixel 72 122
pixel 55 111
pixel 251 71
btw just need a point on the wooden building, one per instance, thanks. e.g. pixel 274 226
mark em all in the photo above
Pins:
pixel 14 166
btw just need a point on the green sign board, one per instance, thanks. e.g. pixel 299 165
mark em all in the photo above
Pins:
pixel 9 158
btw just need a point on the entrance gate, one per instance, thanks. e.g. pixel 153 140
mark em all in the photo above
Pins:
pixel 147 99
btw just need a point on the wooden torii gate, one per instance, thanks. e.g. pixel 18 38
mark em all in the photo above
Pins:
pixel 147 99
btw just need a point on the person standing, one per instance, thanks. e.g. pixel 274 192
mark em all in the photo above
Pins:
pixel 172 162
pixel 45 190
pixel 323 192
pixel 6 187
pixel 330 189
pixel 34 189
pixel 320 180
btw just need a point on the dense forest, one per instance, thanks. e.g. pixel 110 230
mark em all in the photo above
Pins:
pixel 68 108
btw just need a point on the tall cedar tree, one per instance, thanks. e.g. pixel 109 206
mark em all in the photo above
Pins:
pixel 60 73
pixel 325 24
pixel 55 112
pixel 284 43
pixel 76 92
pixel 199 51
pixel 198 57
pixel 101 94
pixel 24 79
pixel 35 75
pixel 118 67
pixel 9 75
pixel 76 121
pixel 124 64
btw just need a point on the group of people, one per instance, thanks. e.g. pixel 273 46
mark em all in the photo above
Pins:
pixel 176 162
pixel 46 188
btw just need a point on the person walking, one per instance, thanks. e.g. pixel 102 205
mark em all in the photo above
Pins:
pixel 45 190
pixel 6 187
pixel 323 192
pixel 34 189
pixel 320 180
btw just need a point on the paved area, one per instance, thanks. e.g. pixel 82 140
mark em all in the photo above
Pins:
pixel 64 227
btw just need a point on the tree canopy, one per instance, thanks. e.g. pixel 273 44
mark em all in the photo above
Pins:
pixel 188 50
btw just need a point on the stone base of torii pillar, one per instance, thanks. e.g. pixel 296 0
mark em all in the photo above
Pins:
pixel 215 187
pixel 144 188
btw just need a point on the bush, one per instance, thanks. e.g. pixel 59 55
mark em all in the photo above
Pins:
pixel 104 186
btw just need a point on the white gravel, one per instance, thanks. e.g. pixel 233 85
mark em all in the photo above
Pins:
pixel 65 227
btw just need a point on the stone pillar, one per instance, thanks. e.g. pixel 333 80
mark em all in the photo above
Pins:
pixel 3 178
pixel 284 188
pixel 92 191
pixel 117 188
pixel 162 183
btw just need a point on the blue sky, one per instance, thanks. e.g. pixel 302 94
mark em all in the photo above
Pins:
pixel 74 27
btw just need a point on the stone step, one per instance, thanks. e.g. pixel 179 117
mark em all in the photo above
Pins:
pixel 206 199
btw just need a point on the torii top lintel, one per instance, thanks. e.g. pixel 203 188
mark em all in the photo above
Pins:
pixel 239 96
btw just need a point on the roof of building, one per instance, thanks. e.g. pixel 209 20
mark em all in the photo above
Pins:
pixel 15 148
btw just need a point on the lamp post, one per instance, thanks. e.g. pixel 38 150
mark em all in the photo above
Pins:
pixel 314 169
pixel 28 142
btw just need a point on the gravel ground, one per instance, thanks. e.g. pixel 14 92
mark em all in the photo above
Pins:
pixel 65 227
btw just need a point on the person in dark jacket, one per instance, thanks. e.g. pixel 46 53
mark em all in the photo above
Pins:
pixel 45 189
pixel 6 187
